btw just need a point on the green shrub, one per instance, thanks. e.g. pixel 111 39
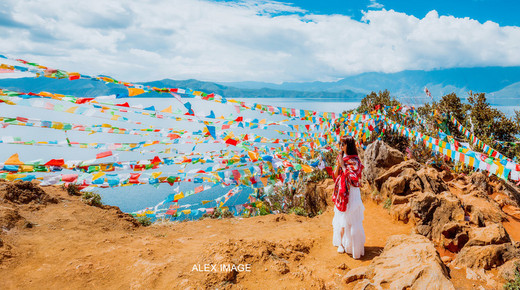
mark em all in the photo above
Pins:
pixel 227 214
pixel 144 221
pixel 218 213
pixel 388 203
pixel 73 189
pixel 264 210
pixel 246 213
pixel 92 198
pixel 318 175
pixel 514 284
pixel 298 211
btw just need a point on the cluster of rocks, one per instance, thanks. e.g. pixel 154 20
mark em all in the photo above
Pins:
pixel 456 213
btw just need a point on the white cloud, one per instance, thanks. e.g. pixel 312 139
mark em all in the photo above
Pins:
pixel 250 40
pixel 374 4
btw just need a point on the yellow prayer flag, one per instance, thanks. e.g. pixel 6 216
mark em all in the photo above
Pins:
pixel 134 92
pixel 11 177
pixel 13 160
pixel 306 168
pixel 45 94
pixel 71 110
pixel 167 110
pixel 26 168
pixel 97 175
pixel 178 196
pixel 253 155
pixel 57 125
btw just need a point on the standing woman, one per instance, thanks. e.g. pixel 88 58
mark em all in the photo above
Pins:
pixel 347 224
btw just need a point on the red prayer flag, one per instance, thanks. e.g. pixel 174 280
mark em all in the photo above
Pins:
pixel 134 178
pixel 55 162
pixel 232 142
pixel 329 171
pixel 236 174
pixel 83 100
pixel 103 154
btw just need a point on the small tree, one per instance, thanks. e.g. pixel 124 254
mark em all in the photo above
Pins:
pixel 372 100
pixel 491 125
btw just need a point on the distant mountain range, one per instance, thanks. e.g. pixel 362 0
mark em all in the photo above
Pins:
pixel 502 85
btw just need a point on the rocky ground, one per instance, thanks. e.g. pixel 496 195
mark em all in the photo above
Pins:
pixel 436 231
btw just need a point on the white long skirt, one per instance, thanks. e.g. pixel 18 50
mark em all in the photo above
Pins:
pixel 352 220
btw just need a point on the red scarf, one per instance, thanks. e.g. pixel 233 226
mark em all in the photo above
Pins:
pixel 344 180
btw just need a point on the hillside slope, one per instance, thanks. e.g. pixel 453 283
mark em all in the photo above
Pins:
pixel 71 245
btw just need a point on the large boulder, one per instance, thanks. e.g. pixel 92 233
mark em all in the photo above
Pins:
pixel 432 212
pixel 507 271
pixel 455 235
pixel 407 262
pixel 400 209
pixel 404 179
pixel 486 257
pixel 317 196
pixel 397 170
pixel 429 179
pixel 493 234
pixel 396 186
pixel 378 158
pixel 480 181
pixel 482 210
pixel 512 191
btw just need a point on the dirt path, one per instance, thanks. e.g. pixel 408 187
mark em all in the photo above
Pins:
pixel 76 246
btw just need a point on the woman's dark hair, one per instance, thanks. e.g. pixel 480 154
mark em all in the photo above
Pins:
pixel 351 144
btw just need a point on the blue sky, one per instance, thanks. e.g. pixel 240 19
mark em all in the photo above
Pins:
pixel 503 12
pixel 259 40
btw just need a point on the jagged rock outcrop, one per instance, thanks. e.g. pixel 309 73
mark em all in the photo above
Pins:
pixel 493 234
pixel 480 181
pixel 317 196
pixel 432 212
pixel 428 179
pixel 455 235
pixel 395 171
pixel 407 261
pixel 512 191
pixel 507 271
pixel 379 157
pixel 486 257
pixel 482 210
pixel 400 209
pixel 410 181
